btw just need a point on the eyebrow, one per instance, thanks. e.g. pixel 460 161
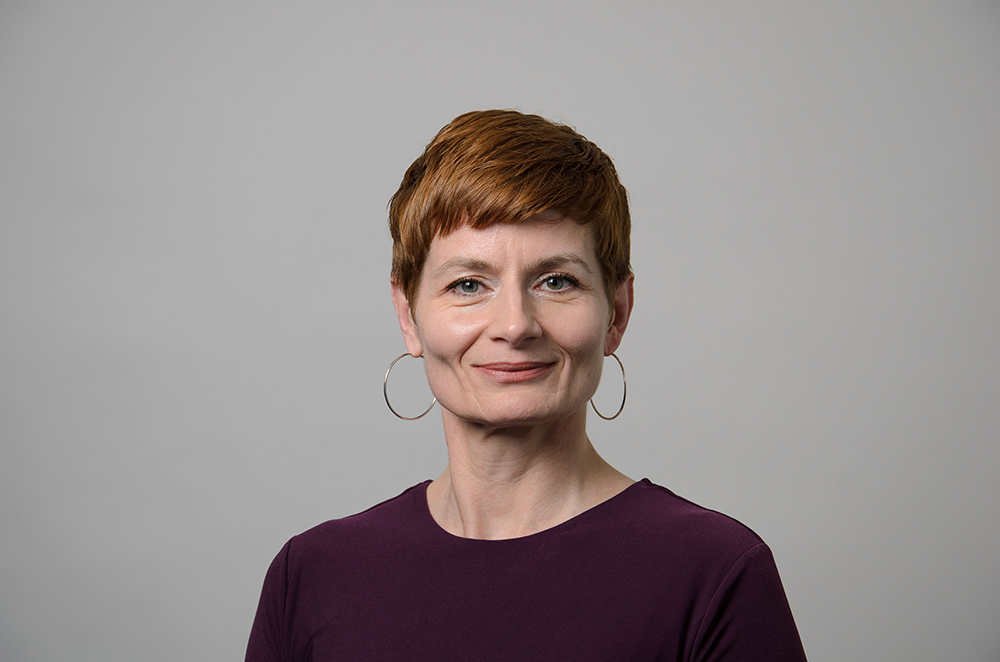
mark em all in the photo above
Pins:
pixel 462 264
pixel 545 264
pixel 561 259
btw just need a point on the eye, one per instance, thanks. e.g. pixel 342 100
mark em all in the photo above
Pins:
pixel 555 282
pixel 466 286
pixel 558 282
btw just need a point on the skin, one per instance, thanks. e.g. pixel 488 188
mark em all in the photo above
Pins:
pixel 513 323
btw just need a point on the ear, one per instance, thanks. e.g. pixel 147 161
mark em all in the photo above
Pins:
pixel 406 323
pixel 621 311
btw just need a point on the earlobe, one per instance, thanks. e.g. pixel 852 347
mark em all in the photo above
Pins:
pixel 621 311
pixel 404 313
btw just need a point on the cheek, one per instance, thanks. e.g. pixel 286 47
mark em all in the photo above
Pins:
pixel 447 338
pixel 583 337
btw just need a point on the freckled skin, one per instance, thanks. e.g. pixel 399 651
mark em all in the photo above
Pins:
pixel 513 322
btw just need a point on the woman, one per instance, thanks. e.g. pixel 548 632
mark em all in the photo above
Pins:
pixel 511 279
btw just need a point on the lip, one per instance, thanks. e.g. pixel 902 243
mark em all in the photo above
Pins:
pixel 508 373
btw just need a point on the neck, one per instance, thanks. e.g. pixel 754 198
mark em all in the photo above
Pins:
pixel 515 481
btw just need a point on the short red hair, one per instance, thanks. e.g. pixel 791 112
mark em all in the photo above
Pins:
pixel 502 166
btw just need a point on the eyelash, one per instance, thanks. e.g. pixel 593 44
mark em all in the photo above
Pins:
pixel 454 287
pixel 573 282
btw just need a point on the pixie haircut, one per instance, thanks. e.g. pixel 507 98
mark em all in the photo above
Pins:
pixel 502 166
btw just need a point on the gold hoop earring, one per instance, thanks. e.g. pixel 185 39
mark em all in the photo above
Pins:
pixel 624 393
pixel 385 392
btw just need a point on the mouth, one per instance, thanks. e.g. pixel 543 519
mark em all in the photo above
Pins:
pixel 514 372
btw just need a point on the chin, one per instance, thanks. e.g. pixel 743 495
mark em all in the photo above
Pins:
pixel 518 414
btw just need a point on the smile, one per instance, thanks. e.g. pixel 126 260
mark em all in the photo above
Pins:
pixel 514 372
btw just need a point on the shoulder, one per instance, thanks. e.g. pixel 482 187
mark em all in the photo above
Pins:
pixel 723 571
pixel 371 528
pixel 654 518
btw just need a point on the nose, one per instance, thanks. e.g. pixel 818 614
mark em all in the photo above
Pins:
pixel 514 318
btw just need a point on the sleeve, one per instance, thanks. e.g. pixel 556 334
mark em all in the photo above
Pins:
pixel 267 636
pixel 748 619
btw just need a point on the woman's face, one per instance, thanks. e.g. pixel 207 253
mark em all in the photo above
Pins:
pixel 513 321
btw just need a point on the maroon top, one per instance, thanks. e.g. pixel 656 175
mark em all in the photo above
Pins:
pixel 645 575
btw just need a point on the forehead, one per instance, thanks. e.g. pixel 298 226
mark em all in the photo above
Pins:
pixel 536 238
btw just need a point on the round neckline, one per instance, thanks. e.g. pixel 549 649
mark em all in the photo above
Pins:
pixel 425 512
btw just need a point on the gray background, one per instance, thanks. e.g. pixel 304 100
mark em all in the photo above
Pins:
pixel 196 317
